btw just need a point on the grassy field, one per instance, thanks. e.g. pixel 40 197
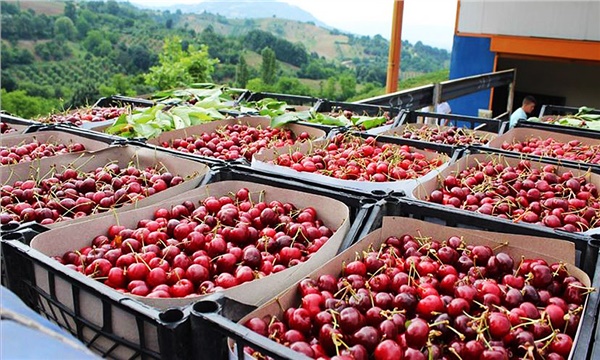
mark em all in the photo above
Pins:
pixel 44 7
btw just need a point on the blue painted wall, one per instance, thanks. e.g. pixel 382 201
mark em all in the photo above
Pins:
pixel 470 56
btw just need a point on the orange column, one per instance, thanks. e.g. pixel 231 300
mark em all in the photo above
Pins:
pixel 395 47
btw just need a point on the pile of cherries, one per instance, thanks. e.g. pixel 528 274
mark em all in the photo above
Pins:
pixel 538 195
pixel 418 298
pixel 79 116
pixel 6 128
pixel 350 157
pixel 71 193
pixel 234 141
pixel 449 135
pixel 573 150
pixel 191 250
pixel 35 150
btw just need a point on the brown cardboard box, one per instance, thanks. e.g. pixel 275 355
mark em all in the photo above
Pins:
pixel 192 171
pixel 424 189
pixel 261 161
pixel 517 245
pixel 334 214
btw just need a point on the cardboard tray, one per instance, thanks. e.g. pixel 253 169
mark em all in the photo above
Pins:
pixel 518 135
pixel 54 137
pixel 426 187
pixel 334 214
pixel 193 172
pixel 260 162
pixel 518 245
pixel 18 129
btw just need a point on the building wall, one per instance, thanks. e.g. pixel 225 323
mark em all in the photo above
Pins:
pixel 575 20
pixel 470 56
pixel 577 82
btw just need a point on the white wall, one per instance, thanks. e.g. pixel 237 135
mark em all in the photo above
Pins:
pixel 575 20
pixel 579 83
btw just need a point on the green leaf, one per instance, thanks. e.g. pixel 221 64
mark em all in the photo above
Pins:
pixel 594 125
pixel 584 110
pixel 325 119
pixel 121 120
pixel 281 120
pixel 181 117
pixel 116 129
pixel 147 131
pixel 590 117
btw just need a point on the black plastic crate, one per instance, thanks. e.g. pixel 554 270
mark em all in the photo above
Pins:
pixel 292 100
pixel 411 99
pixel 123 101
pixel 581 165
pixel 470 122
pixel 161 334
pixel 569 130
pixel 360 109
pixel 327 106
pixel 561 110
pixel 587 251
pixel 454 152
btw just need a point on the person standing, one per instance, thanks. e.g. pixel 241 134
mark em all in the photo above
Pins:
pixel 521 113
pixel 441 108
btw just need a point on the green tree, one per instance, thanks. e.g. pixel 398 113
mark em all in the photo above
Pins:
pixel 83 26
pixel 85 94
pixel 241 72
pixel 347 86
pixel 70 10
pixel 29 107
pixel 64 29
pixel 329 90
pixel 269 66
pixel 289 85
pixel 179 68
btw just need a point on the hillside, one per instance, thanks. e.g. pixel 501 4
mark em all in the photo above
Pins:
pixel 69 53
pixel 241 9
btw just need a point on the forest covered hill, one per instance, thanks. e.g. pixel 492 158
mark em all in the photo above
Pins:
pixel 57 55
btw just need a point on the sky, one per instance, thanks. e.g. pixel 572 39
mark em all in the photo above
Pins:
pixel 430 21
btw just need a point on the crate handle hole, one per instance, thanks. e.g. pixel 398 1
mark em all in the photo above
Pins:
pixel 11 226
pixel 206 306
pixel 171 315
pixel 392 200
pixel 595 241
pixel 14 236
pixel 379 193
pixel 398 194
